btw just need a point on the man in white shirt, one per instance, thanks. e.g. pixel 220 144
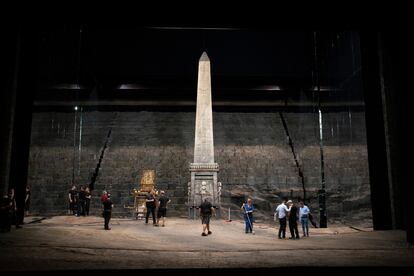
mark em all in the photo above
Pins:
pixel 281 212
pixel 304 217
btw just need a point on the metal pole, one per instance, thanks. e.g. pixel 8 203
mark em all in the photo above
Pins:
pixel 74 147
pixel 80 141
pixel 321 192
pixel 194 207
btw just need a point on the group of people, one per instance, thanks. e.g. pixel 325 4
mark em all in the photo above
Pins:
pixel 286 212
pixel 154 203
pixel 79 202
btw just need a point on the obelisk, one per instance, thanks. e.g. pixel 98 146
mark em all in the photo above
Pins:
pixel 203 145
pixel 203 170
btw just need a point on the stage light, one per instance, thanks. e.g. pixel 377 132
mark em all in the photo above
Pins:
pixel 131 86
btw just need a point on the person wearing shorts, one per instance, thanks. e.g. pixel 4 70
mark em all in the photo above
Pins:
pixel 162 208
pixel 206 210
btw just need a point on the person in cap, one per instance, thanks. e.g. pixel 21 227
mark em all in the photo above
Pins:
pixel 293 220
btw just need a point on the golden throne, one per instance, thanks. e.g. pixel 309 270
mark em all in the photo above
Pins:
pixel 147 185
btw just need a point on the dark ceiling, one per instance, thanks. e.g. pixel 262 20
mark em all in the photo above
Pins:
pixel 158 66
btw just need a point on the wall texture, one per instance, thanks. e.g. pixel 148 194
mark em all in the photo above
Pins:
pixel 251 149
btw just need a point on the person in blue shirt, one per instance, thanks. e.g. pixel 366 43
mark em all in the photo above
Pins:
pixel 248 215
pixel 304 213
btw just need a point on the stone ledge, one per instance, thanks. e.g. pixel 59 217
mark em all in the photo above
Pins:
pixel 204 167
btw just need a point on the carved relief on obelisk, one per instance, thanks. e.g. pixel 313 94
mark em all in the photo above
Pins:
pixel 203 170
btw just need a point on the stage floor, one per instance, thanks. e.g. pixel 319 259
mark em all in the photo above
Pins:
pixel 68 242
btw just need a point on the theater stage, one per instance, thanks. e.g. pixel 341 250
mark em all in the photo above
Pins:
pixel 68 242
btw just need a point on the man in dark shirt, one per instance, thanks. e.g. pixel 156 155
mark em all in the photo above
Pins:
pixel 13 211
pixel 107 205
pixel 162 208
pixel 5 206
pixel 206 210
pixel 150 204
pixel 293 221
pixel 72 200
pixel 81 201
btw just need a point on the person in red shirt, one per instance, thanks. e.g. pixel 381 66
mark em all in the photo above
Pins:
pixel 104 197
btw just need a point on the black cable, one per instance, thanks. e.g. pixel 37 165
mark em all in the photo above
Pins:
pixel 300 172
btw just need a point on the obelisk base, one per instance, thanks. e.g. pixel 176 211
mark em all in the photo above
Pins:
pixel 203 185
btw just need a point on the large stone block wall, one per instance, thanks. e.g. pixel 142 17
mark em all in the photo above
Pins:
pixel 251 149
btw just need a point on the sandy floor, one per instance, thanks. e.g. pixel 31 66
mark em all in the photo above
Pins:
pixel 68 242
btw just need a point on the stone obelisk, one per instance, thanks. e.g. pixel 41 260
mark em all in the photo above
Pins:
pixel 204 170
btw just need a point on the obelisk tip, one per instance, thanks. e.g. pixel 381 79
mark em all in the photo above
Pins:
pixel 204 57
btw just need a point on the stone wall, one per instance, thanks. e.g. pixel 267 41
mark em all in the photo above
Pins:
pixel 251 149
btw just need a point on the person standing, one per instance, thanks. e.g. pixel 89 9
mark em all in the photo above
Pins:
pixel 281 212
pixel 293 221
pixel 88 197
pixel 150 204
pixel 72 200
pixel 107 210
pixel 81 202
pixel 13 211
pixel 162 208
pixel 248 215
pixel 5 206
pixel 104 196
pixel 27 200
pixel 304 218
pixel 206 210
